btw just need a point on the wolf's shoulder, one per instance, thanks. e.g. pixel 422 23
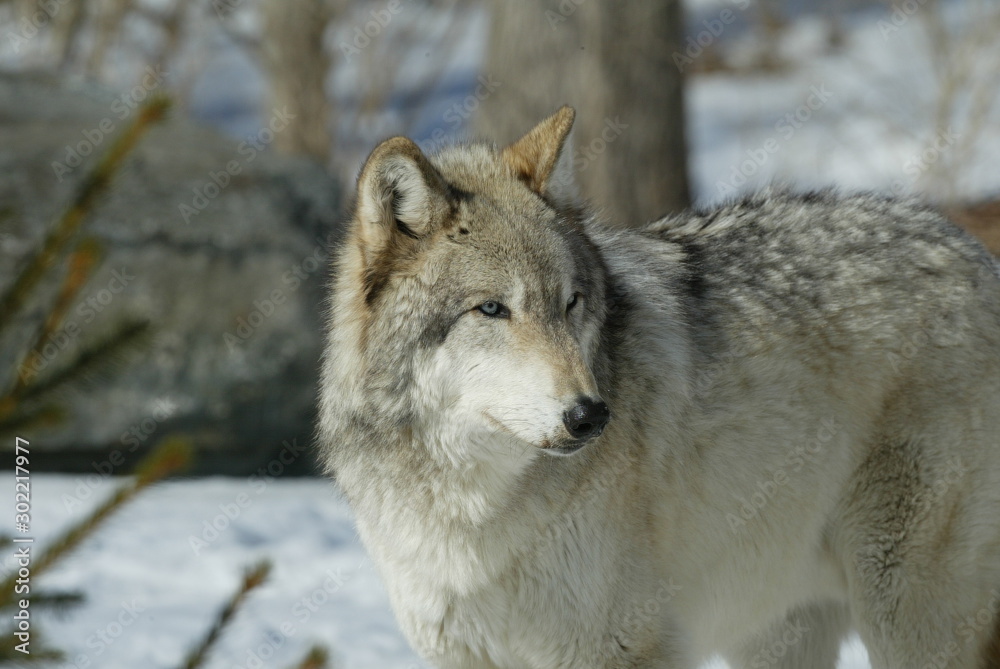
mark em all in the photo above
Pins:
pixel 813 229
pixel 820 258
pixel 783 213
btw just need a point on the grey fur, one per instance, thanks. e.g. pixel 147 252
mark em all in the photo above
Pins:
pixel 805 431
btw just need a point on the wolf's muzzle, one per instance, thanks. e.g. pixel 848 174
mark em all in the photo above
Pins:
pixel 587 419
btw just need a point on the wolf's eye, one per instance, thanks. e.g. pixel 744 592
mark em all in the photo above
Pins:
pixel 494 309
pixel 573 301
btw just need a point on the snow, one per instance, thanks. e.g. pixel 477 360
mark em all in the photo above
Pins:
pixel 322 588
pixel 151 592
pixel 867 116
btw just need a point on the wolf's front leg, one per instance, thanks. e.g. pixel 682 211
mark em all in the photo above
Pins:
pixel 809 637
pixel 648 637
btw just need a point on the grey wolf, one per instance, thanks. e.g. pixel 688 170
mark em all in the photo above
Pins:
pixel 746 430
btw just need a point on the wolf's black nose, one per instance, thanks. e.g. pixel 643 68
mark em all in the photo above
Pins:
pixel 587 418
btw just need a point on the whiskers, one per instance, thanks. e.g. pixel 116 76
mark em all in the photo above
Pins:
pixel 519 421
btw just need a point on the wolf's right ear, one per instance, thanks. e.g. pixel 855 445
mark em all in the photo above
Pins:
pixel 399 193
pixel 541 159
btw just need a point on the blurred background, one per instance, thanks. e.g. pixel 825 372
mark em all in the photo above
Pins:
pixel 174 174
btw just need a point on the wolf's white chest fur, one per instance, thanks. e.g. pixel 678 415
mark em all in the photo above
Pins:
pixel 476 569
pixel 467 559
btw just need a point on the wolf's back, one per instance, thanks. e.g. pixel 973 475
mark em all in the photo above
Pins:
pixel 833 265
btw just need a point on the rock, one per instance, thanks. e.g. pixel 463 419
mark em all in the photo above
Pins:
pixel 221 244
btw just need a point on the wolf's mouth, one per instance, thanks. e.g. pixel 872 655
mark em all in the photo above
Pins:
pixel 567 449
pixel 560 447
pixel 569 446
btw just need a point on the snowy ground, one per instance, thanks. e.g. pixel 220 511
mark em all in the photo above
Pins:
pixel 322 588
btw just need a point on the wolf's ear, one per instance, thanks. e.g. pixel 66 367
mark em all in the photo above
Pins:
pixel 535 158
pixel 399 193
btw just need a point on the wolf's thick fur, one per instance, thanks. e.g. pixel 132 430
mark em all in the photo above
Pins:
pixel 804 435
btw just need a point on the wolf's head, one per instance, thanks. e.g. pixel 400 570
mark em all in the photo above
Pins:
pixel 469 299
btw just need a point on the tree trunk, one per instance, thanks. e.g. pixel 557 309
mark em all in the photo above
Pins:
pixel 297 65
pixel 613 63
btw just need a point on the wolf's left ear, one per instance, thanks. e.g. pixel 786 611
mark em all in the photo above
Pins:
pixel 400 194
pixel 541 158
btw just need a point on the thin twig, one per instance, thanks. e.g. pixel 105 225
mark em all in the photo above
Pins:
pixel 92 186
pixel 171 456
pixel 253 577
